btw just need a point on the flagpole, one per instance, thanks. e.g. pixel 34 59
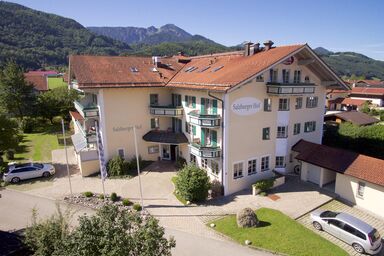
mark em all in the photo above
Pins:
pixel 100 157
pixel 66 156
pixel 138 167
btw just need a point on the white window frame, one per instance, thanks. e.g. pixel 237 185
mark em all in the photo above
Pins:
pixel 312 101
pixel 295 130
pixel 269 163
pixel 360 189
pixel 285 75
pixel 310 126
pixel 283 104
pixel 275 75
pixel 297 76
pixel 299 103
pixel 118 152
pixel 204 163
pixel 283 133
pixel 260 78
pixel 156 95
pixel 242 170
pixel 283 163
pixel 213 171
pixel 248 165
pixel 189 102
pixel 154 149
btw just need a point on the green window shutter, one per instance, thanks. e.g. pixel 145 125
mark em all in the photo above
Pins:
pixel 265 104
pixel 193 102
pixel 202 137
pixel 179 100
pixel 214 104
pixel 186 100
pixel 153 124
pixel 202 106
pixel 214 138
pixel 194 130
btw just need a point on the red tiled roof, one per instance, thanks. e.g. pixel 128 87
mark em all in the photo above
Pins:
pixel 337 91
pixel 106 71
pixel 43 73
pixel 76 115
pixel 336 101
pixel 372 82
pixel 233 68
pixel 342 161
pixel 355 102
pixel 39 81
pixel 368 91
pixel 355 117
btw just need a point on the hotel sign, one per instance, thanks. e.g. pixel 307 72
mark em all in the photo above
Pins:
pixel 246 106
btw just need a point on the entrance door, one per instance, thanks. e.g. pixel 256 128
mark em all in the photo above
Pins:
pixel 174 151
pixel 165 152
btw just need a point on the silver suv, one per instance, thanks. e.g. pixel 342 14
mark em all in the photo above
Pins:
pixel 363 237
pixel 17 172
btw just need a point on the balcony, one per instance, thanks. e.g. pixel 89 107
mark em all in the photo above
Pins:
pixel 290 89
pixel 205 151
pixel 204 120
pixel 89 136
pixel 166 110
pixel 89 110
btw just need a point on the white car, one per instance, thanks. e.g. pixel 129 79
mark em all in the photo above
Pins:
pixel 363 237
pixel 17 172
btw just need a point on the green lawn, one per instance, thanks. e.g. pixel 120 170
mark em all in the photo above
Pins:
pixel 279 233
pixel 55 82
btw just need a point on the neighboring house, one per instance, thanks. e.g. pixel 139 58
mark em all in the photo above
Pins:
pixel 39 81
pixel 354 117
pixel 369 83
pixel 374 95
pixel 235 114
pixel 334 99
pixel 355 177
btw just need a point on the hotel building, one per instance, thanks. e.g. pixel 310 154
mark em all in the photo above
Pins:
pixel 236 114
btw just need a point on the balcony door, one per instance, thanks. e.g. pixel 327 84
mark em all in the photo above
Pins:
pixel 176 100
pixel 177 125
pixel 208 137
pixel 208 106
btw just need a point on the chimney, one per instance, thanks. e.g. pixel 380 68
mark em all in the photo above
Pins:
pixel 155 61
pixel 247 46
pixel 256 48
pixel 268 45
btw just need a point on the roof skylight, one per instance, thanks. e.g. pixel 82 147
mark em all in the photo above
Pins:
pixel 217 68
pixel 189 69
pixel 204 69
pixel 134 69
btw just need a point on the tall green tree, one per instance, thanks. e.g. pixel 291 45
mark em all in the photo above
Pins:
pixel 8 133
pixel 16 94
pixel 56 102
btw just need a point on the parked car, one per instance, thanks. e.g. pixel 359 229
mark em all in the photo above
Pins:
pixel 363 237
pixel 17 172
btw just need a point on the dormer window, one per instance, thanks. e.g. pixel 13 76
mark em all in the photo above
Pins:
pixel 285 76
pixel 297 77
pixel 306 79
pixel 260 78
pixel 134 69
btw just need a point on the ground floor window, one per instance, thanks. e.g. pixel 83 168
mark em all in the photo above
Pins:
pixel 280 163
pixel 360 189
pixel 204 163
pixel 252 166
pixel 264 163
pixel 238 170
pixel 214 167
pixel 309 126
pixel 153 149
pixel 121 153
pixel 192 158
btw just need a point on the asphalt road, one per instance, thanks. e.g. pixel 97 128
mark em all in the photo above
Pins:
pixel 16 211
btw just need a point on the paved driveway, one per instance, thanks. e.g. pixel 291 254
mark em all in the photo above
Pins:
pixel 335 205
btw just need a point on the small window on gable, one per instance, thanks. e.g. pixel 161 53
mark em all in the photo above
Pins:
pixel 307 80
pixel 260 78
pixel 360 189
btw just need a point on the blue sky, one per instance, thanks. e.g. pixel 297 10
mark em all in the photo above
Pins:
pixel 338 25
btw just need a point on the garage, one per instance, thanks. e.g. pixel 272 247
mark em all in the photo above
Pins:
pixel 314 173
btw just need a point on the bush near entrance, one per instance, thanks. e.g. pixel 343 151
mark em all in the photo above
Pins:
pixel 192 183
pixel 264 185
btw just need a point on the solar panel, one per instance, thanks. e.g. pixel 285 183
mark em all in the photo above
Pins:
pixel 216 69
pixel 204 69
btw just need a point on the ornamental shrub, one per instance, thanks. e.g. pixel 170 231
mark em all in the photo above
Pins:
pixel 192 183
pixel 126 202
pixel 137 207
pixel 115 166
pixel 88 194
pixel 114 197
pixel 246 218
pixel 264 185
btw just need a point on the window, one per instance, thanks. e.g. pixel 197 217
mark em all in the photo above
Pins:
pixel 134 69
pixel 260 78
pixel 154 99
pixel 238 170
pixel 194 130
pixel 154 123
pixel 214 167
pixel 285 76
pixel 309 126
pixel 360 189
pixel 204 163
pixel 121 153
pixel 297 77
pixel 192 158
pixel 280 162
pixel 267 104
pixel 336 223
pixel 190 101
pixel 282 131
pixel 312 102
pixel 252 164
pixel 187 128
pixel 283 104
pixel 296 128
pixel 153 149
pixel 307 80
pixel 299 103
pixel 266 133
pixel 264 163
pixel 273 75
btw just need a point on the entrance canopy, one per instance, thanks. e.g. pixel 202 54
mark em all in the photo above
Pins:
pixel 165 137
